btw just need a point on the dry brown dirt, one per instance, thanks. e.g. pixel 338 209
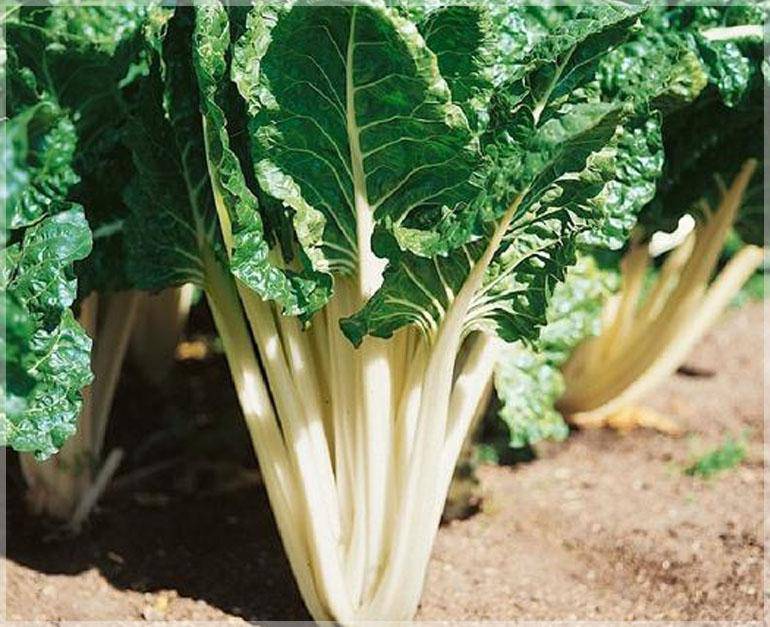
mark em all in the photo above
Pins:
pixel 602 527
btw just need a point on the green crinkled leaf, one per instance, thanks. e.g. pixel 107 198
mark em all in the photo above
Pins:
pixel 78 57
pixel 418 291
pixel 351 116
pixel 461 38
pixel 415 291
pixel 47 352
pixel 43 279
pixel 694 15
pixel 729 69
pixel 536 148
pixel 59 365
pixel 560 203
pixel 657 67
pixel 574 312
pixel 540 39
pixel 530 159
pixel 15 346
pixel 531 260
pixel 528 388
pixel 514 298
pixel 709 92
pixel 91 28
pixel 733 64
pixel 518 30
pixel 172 225
pixel 251 261
pixel 635 160
pixel 37 168
pixel 570 55
pixel 527 379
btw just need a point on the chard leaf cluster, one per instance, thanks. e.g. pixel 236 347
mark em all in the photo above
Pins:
pixel 65 68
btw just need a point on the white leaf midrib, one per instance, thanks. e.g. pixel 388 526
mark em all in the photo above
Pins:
pixel 370 268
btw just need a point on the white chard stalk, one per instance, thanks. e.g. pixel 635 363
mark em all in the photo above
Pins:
pixel 644 340
pixel 354 555
pixel 158 327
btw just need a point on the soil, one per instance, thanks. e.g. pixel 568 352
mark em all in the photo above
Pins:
pixel 601 527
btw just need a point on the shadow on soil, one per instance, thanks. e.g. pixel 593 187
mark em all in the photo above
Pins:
pixel 222 549
pixel 188 516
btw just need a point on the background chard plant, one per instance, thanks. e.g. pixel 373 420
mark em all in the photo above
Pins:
pixel 375 200
pixel 700 67
pixel 71 72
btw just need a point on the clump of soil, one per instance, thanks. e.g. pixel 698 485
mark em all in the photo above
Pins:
pixel 602 527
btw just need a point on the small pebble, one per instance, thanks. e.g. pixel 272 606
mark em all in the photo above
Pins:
pixel 151 614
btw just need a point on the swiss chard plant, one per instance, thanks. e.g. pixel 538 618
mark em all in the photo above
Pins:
pixel 70 74
pixel 362 200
